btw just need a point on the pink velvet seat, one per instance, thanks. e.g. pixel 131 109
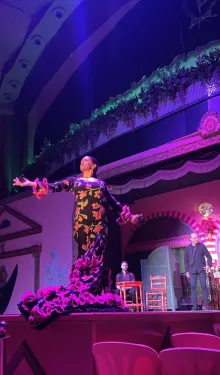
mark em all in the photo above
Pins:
pixel 134 336
pixel 190 361
pixel 196 340
pixel 120 358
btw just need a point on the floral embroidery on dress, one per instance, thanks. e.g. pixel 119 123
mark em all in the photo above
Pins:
pixel 90 233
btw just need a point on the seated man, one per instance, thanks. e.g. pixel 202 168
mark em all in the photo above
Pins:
pixel 125 276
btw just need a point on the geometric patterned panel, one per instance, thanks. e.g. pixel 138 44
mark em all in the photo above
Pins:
pixel 159 263
pixel 24 352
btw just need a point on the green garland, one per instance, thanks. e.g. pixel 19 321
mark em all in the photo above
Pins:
pixel 170 83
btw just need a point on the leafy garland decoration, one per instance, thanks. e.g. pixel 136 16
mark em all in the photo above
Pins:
pixel 172 84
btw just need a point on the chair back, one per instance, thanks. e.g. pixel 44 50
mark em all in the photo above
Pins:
pixel 196 340
pixel 158 283
pixel 140 336
pixel 120 358
pixel 190 361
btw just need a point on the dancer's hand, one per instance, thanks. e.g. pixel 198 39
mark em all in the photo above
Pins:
pixel 124 216
pixel 126 213
pixel 127 217
pixel 187 275
pixel 136 220
pixel 23 182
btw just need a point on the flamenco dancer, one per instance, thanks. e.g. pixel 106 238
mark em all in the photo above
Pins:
pixel 93 198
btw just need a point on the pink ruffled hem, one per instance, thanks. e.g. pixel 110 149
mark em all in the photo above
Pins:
pixel 42 188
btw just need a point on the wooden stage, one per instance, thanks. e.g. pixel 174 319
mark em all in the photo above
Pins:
pixel 65 347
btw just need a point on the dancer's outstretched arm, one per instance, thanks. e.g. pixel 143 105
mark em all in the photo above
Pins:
pixel 42 188
pixel 23 182
pixel 124 211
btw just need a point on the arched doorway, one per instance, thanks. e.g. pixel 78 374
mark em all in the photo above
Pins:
pixel 167 229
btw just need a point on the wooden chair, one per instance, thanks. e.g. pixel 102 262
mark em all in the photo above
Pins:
pixel 138 298
pixel 157 298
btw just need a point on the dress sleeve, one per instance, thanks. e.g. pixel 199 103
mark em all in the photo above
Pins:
pixel 58 186
pixel 43 187
pixel 111 201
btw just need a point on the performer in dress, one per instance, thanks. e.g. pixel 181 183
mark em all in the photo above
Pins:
pixel 195 267
pixel 93 198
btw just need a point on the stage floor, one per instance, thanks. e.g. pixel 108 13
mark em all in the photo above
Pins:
pixel 65 346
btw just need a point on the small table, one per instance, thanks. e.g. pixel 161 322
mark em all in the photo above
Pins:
pixel 123 285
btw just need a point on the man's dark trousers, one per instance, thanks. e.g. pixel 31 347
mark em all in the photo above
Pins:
pixel 193 282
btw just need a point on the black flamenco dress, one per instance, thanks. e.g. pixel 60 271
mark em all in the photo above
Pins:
pixel 83 294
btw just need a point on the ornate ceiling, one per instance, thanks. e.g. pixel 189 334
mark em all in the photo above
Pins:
pixel 24 34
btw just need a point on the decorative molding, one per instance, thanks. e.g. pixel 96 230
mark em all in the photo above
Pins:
pixel 2 247
pixel 210 124
pixel 35 228
pixel 6 291
pixel 186 219
pixel 15 198
pixel 36 256
pixel 76 58
pixel 210 238
pixel 167 175
pixel 180 241
pixel 168 151
pixel 26 251
pixel 172 242
pixel 33 250
pixel 24 352
pixel 33 47
pixel 165 109
pixel 192 223
pixel 120 116
pixel 3 275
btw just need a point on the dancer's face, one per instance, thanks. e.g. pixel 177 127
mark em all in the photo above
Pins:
pixel 86 165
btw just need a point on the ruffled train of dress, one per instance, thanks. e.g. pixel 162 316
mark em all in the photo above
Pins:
pixel 83 294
